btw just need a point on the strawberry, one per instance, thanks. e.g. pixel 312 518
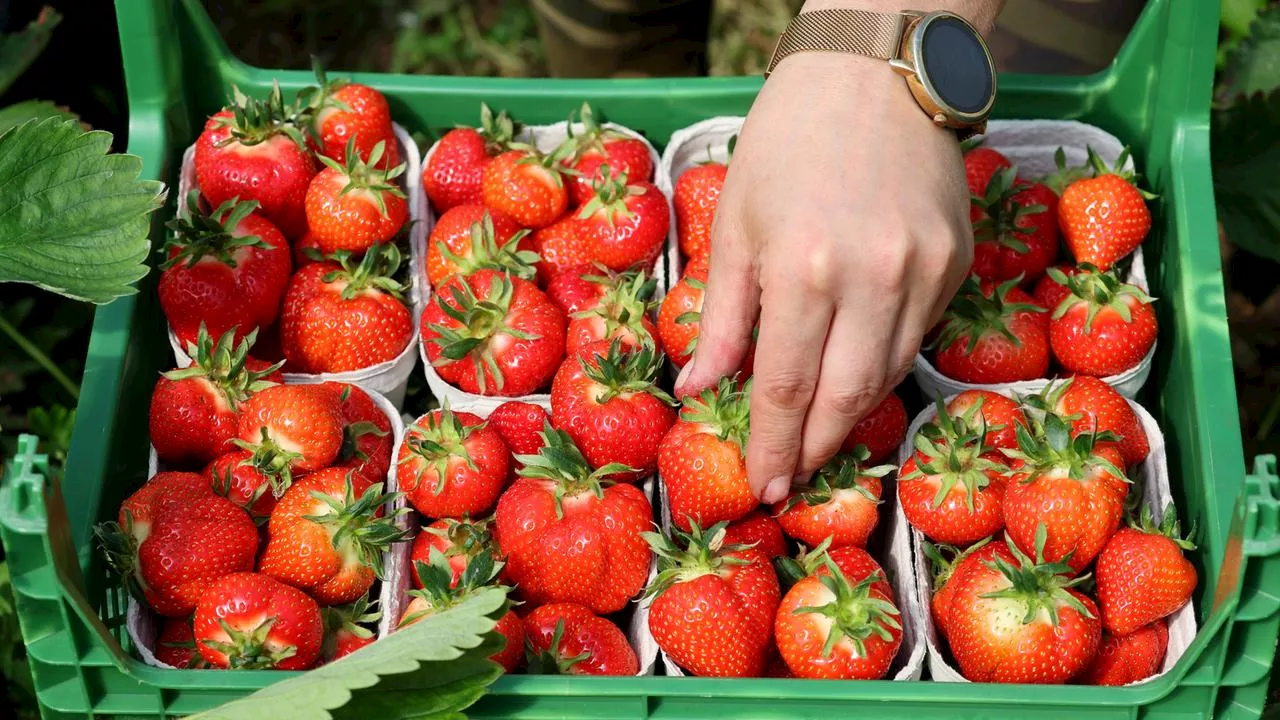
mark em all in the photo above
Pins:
pixel 681 313
pixel 840 506
pixel 248 621
pixel 490 333
pixel 527 185
pixel 1092 405
pixel 569 639
pixel 468 238
pixel 696 195
pixel 852 560
pixel 252 151
pixel 952 488
pixel 712 603
pixel 343 316
pixel 367 441
pixel 1105 217
pixel 520 425
pixel 452 464
pixel 569 536
pixel 603 152
pixel 1072 487
pixel 564 245
pixel 226 270
pixel 608 401
pixel 301 424
pixel 999 414
pixel 249 479
pixel 343 113
pixel 991 334
pixel 1017 620
pixel 1142 575
pixel 306 251
pixel 176 645
pixel 702 458
pixel 458 540
pixel 980 165
pixel 346 629
pixel 194 411
pixel 1014 230
pixel 1128 659
pixel 947 563
pixel 833 626
pixel 1104 327
pixel 626 222
pixel 166 487
pixel 454 172
pixel 622 312
pixel 880 431
pixel 759 530
pixel 1049 293
pixel 355 206
pixel 581 287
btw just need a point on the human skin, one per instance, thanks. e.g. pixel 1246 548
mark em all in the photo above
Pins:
pixel 843 229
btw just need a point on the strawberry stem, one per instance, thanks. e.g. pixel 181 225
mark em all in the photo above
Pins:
pixel 952 450
pixel 560 461
pixel 725 410
pixel 488 253
pixel 247 649
pixel 1002 212
pixel 623 371
pixel 686 556
pixel 354 525
pixel 365 176
pixel 1036 584
pixel 480 322
pixel 223 364
pixel 375 271
pixel 440 441
pixel 856 613
pixel 841 472
pixel 1097 289
pixel 973 315
pixel 212 234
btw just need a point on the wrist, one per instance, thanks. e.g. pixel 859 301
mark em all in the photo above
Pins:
pixel 980 13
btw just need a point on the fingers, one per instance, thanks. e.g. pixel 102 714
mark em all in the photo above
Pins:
pixel 729 311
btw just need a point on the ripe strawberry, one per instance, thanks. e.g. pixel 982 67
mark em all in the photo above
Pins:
pixel 880 431
pixel 166 487
pixel 452 464
pixel 626 222
pixel 306 251
pixel 697 193
pixel 194 411
pixel 1142 575
pixel 598 151
pixel 249 479
pixel 852 560
pixel 833 626
pixel 252 151
pixel 302 424
pixel 490 334
pixel 568 536
pixel 999 414
pixel 527 185
pixel 947 563
pixel 1105 217
pixel 367 441
pixel 681 312
pixel 346 629
pixel 840 506
pixel 580 287
pixel 702 458
pixel 226 270
pixel 468 238
pixel 1104 327
pixel 520 425
pixel 1049 293
pixel 458 540
pixel 991 334
pixel 248 621
pixel 176 645
pixel 345 316
pixel 713 604
pixel 622 312
pixel 608 401
pixel 1073 488
pixel 980 165
pixel 1092 405
pixel 564 245
pixel 1015 232
pixel 355 206
pixel 569 639
pixel 343 113
pixel 454 171
pixel 1017 620
pixel 759 530
pixel 1128 659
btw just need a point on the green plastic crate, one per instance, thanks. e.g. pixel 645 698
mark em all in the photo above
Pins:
pixel 1154 96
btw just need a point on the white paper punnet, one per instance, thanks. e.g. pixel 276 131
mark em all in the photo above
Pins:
pixel 1153 475
pixel 143 625
pixel 390 378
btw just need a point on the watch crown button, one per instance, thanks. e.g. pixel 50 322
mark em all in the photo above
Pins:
pixel 940 120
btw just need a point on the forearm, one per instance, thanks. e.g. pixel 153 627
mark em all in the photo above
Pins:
pixel 981 13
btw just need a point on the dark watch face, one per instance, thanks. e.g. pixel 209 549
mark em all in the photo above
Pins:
pixel 957 65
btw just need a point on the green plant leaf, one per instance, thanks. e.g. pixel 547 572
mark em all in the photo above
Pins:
pixel 443 657
pixel 18 50
pixel 1253 66
pixel 14 115
pixel 73 218
pixel 1246 152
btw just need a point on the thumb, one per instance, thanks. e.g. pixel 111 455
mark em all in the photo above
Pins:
pixel 729 310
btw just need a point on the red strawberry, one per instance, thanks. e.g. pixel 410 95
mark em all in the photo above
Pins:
pixel 597 150
pixel 301 423
pixel 1142 575
pixel 1073 488
pixel 702 458
pixel 697 193
pixel 841 505
pixel 1128 659
pixel 713 604
pixel 520 425
pixel 569 639
pixel 176 645
pixel 367 441
pixel 1014 230
pixel 948 563
pixel 527 185
pixel 608 401
pixel 468 238
pixel 249 621
pixel 249 479
pixel 491 334
pixel 622 312
pixel 852 560
pixel 1104 327
pixel 1104 218
pixel 1018 620
pixel 306 251
pixel 454 172
pixel 681 312
pixel 452 464
pixel 563 245
pixel 252 151
pixel 568 537
pixel 626 222
pixel 457 540
pixel 999 414
pixel 1049 293
pixel 355 206
pixel 346 629
pixel 327 535
pixel 1092 405
pixel 345 316
pixel 580 287
pixel 759 530
pixel 992 335
pixel 194 411
pixel 980 165
pixel 139 510
pixel 226 270
pixel 880 431
pixel 342 113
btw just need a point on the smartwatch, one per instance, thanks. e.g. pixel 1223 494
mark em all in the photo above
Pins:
pixel 943 58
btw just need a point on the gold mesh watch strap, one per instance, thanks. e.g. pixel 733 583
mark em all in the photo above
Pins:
pixel 859 32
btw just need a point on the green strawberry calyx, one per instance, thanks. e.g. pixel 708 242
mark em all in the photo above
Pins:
pixel 1003 217
pixel 436 441
pixel 478 323
pixel 1168 526
pixel 624 304
pixel 844 471
pixel 488 253
pixel 271 460
pixel 253 121
pixel 365 177
pixel 266 465
pixel 248 648
pixel 1096 167
pixel 375 272
pixel 464 537
pixel 687 556
pixel 354 525
pixel 351 435
pixel 1096 290
pixel 953 450
pixel 552 661
pixel 723 410
pixel 625 371
pixel 499 131
pixel 439 592
pixel 944 559
pixel 352 619
pixel 560 461
pixel 223 364
pixel 212 234
pixel 1038 585
pixel 552 162
pixel 856 613
pixel 119 545
pixel 973 315
pixel 693 317
pixel 1045 445
pixel 610 198
pixel 805 563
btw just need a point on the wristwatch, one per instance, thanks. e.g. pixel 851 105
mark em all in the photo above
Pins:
pixel 944 60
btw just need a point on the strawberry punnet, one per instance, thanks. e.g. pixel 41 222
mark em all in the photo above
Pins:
pixel 355 206
pixel 468 238
pixel 1015 232
pixel 454 173
pixel 992 334
pixel 599 151
pixel 452 464
pixel 569 639
pixel 841 504
pixel 1103 327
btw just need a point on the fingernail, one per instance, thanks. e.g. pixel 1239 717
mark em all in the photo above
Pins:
pixel 776 489
pixel 802 479
pixel 684 375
